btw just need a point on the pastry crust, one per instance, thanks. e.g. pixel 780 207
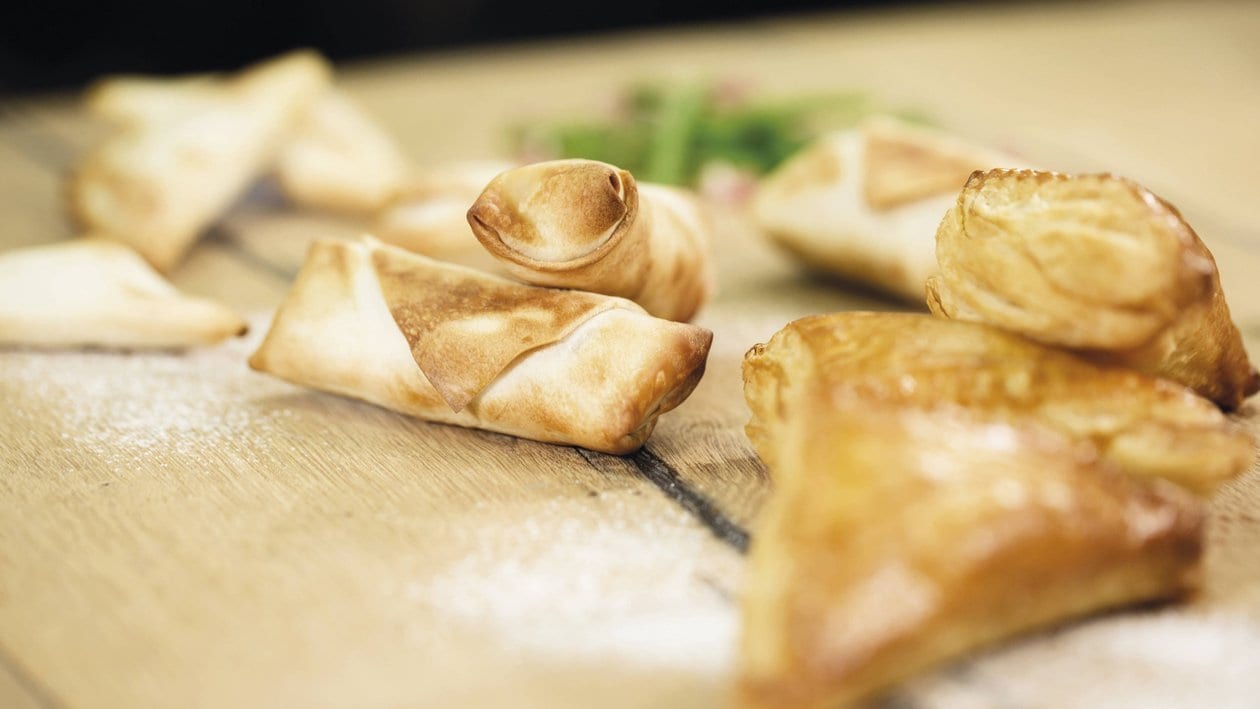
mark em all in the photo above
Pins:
pixel 897 540
pixel 170 171
pixel 864 204
pixel 1094 263
pixel 589 225
pixel 454 345
pixel 1142 425
pixel 97 292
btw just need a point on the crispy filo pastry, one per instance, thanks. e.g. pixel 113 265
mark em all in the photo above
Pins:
pixel 157 184
pixel 458 346
pixel 97 292
pixel 428 214
pixel 1094 263
pixel 1141 425
pixel 589 225
pixel 898 540
pixel 864 204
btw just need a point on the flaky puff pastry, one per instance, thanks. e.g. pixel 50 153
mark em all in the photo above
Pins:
pixel 897 540
pixel 863 204
pixel 1095 263
pixel 97 292
pixel 428 214
pixel 458 346
pixel 1142 425
pixel 170 171
pixel 589 225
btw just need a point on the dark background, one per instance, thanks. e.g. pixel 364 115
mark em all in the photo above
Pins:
pixel 47 45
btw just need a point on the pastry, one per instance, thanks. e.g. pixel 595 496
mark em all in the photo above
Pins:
pixel 1094 263
pixel 428 214
pixel 1141 425
pixel 588 225
pixel 898 540
pixel 863 204
pixel 458 346
pixel 97 292
pixel 157 183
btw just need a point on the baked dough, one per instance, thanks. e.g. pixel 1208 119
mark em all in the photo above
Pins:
pixel 899 540
pixel 454 345
pixel 864 204
pixel 589 225
pixel 1095 263
pixel 428 214
pixel 170 171
pixel 1141 425
pixel 97 292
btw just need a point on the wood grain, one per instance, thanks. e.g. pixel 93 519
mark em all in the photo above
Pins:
pixel 176 530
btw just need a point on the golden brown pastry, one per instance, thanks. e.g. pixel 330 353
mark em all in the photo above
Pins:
pixel 429 213
pixel 864 204
pixel 1094 263
pixel 899 540
pixel 97 292
pixel 588 225
pixel 454 345
pixel 1142 425
pixel 158 182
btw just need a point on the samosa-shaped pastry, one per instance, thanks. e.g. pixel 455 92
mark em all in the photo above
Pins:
pixel 455 345
pixel 1094 263
pixel 589 225
pixel 158 182
pixel 97 292
pixel 1142 425
pixel 897 540
pixel 863 204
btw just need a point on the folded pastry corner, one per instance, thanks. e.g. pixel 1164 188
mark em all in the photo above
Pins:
pixel 175 165
pixel 589 225
pixel 1141 425
pixel 1095 263
pixel 897 540
pixel 458 346
pixel 97 292
pixel 863 204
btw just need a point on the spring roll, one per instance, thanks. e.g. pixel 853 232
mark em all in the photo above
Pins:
pixel 458 346
pixel 157 184
pixel 97 292
pixel 588 225
pixel 1143 426
pixel 1094 263
pixel 864 204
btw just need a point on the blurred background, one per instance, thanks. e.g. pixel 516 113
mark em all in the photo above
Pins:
pixel 55 45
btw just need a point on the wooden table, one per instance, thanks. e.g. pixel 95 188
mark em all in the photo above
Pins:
pixel 176 530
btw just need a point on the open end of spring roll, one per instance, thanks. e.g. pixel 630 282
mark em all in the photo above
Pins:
pixel 454 345
pixel 589 225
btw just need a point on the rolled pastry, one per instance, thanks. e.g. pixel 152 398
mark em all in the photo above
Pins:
pixel 97 292
pixel 1094 263
pixel 157 183
pixel 896 541
pixel 428 214
pixel 588 225
pixel 1142 425
pixel 454 345
pixel 864 204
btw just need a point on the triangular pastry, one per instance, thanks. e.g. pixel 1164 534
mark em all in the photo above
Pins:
pixel 97 292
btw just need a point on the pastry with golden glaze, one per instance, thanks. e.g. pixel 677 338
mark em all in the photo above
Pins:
pixel 863 204
pixel 157 183
pixel 1093 263
pixel 458 346
pixel 898 540
pixel 1141 425
pixel 589 225
pixel 97 292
